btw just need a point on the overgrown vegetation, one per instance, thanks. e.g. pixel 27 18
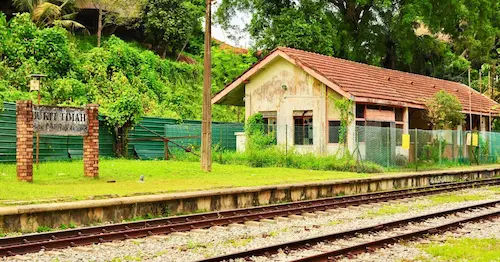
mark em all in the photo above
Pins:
pixel 444 111
pixel 262 151
pixel 345 108
pixel 126 80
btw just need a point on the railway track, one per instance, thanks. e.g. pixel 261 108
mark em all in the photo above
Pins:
pixel 91 235
pixel 351 250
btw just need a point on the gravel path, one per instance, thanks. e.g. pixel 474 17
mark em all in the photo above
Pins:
pixel 199 244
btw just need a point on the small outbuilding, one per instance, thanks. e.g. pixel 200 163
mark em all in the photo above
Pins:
pixel 295 92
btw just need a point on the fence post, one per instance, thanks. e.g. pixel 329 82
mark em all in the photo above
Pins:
pixel 165 141
pixel 416 150
pixel 388 137
pixel 439 145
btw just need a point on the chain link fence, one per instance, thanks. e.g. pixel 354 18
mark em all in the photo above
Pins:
pixel 386 146
pixel 390 146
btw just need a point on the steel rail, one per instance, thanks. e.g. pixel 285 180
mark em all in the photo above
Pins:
pixel 380 243
pixel 84 236
pixel 327 256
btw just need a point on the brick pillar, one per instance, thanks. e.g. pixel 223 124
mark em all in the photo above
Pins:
pixel 24 142
pixel 91 143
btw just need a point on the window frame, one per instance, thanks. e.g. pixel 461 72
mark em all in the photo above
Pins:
pixel 328 132
pixel 305 115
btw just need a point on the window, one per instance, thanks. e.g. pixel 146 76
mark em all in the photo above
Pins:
pixel 269 119
pixel 360 111
pixel 303 131
pixel 333 131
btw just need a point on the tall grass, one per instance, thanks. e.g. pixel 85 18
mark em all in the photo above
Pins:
pixel 275 157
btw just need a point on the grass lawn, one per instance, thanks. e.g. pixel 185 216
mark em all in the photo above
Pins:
pixel 65 180
pixel 464 249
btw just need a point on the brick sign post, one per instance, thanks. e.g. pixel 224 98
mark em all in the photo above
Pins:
pixel 49 120
pixel 24 141
pixel 91 143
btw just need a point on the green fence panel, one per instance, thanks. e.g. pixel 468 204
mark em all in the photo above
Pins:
pixel 8 133
pixel 51 147
pixel 186 133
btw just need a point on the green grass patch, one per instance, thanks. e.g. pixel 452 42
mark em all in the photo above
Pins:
pixel 495 189
pixel 464 249
pixel 454 198
pixel 387 210
pixel 63 181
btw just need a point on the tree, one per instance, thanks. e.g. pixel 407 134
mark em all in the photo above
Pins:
pixel 119 8
pixel 459 33
pixel 169 24
pixel 46 13
pixel 444 111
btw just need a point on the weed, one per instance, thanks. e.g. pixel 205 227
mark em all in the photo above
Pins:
pixel 41 229
pixel 334 222
pixel 161 253
pixel 193 245
pixel 133 258
pixel 239 242
pixel 64 226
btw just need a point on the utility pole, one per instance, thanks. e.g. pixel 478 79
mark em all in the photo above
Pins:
pixel 206 129
pixel 470 104
pixel 489 84
pixel 480 82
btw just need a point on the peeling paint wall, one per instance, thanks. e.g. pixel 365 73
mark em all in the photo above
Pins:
pixel 285 88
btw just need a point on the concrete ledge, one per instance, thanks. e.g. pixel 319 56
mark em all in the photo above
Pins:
pixel 29 217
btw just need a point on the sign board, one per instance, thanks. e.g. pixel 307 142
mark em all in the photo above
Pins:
pixel 475 139
pixel 406 141
pixel 65 121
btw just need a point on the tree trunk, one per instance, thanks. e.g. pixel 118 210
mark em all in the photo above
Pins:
pixel 99 27
pixel 121 142
pixel 164 54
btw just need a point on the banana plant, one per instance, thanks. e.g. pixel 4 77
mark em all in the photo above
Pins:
pixel 50 13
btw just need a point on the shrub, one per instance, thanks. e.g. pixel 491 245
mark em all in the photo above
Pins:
pixel 275 157
pixel 257 136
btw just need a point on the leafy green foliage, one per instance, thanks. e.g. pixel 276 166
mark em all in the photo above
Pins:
pixel 126 80
pixel 436 38
pixel 257 136
pixel 275 157
pixel 444 111
pixel 345 108
pixel 170 23
pixel 305 26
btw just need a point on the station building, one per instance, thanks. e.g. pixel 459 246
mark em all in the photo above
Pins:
pixel 295 90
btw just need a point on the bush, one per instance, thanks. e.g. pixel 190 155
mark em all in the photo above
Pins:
pixel 257 136
pixel 275 157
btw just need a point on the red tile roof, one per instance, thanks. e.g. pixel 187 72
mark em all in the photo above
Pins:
pixel 366 82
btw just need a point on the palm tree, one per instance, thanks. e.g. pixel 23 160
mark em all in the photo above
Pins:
pixel 47 13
